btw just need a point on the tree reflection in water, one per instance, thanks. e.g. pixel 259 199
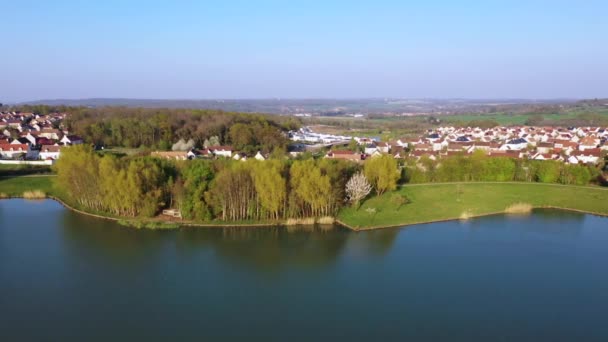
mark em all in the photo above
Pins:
pixel 264 249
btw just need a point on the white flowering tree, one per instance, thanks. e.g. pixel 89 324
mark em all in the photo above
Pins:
pixel 357 188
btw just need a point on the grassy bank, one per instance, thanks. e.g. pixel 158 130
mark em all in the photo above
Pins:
pixel 7 170
pixel 426 203
pixel 436 202
pixel 17 186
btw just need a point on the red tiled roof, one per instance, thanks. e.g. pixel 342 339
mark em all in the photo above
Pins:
pixel 50 148
pixel 13 147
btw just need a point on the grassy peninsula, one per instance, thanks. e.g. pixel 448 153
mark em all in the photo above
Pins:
pixel 436 202
pixel 425 202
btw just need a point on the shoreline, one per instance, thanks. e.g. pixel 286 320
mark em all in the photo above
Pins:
pixel 276 224
pixel 160 221
pixel 495 213
pixel 341 219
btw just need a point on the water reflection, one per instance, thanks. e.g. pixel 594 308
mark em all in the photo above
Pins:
pixel 108 281
pixel 272 249
pixel 559 215
pixel 98 237
pixel 267 249
pixel 548 222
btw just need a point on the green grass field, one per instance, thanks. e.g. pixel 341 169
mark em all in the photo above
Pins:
pixel 434 202
pixel 16 186
pixel 393 127
pixel 23 169
pixel 503 118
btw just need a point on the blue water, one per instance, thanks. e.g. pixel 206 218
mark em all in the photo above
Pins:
pixel 68 277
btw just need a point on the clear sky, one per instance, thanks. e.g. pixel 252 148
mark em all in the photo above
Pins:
pixel 302 49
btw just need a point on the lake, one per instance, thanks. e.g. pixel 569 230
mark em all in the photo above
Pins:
pixel 68 277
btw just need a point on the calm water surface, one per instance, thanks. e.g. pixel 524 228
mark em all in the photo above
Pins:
pixel 68 277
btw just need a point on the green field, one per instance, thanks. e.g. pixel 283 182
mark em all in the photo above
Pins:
pixel 507 119
pixel 433 202
pixel 393 127
pixel 11 169
pixel 16 186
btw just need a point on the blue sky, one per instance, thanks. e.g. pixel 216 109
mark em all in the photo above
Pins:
pixel 303 49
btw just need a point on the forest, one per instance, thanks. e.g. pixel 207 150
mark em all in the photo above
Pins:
pixel 158 128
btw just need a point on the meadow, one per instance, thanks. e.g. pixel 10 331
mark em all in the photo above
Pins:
pixel 447 201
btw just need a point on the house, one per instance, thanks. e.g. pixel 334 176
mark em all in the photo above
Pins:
pixel 71 140
pixel 347 155
pixel 50 133
pixel 370 149
pixel 515 145
pixel 423 147
pixel 21 141
pixel 404 142
pixel 383 147
pixel 259 156
pixel 591 156
pixel 588 143
pixel 45 141
pixel 224 151
pixel 14 123
pixel 193 154
pixel 440 145
pixel 15 151
pixel 49 152
pixel 178 155
pixel 363 141
pixel 547 156
pixel 398 152
pixel 458 147
pixel 544 147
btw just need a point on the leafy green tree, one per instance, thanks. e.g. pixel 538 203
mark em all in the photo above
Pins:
pixel 382 173
pixel 270 186
pixel 311 187
pixel 547 171
pixel 353 146
pixel 196 176
pixel 78 176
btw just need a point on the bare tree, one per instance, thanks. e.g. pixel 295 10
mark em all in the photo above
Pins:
pixel 357 188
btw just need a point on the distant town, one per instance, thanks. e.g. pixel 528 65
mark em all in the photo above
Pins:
pixel 29 138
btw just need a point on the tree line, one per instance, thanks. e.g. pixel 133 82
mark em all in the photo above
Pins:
pixel 479 167
pixel 157 128
pixel 205 190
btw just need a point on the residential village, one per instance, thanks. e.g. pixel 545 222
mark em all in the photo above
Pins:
pixel 580 145
pixel 32 138
pixel 573 145
pixel 39 138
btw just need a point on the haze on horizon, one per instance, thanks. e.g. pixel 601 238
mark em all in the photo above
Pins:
pixel 303 49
